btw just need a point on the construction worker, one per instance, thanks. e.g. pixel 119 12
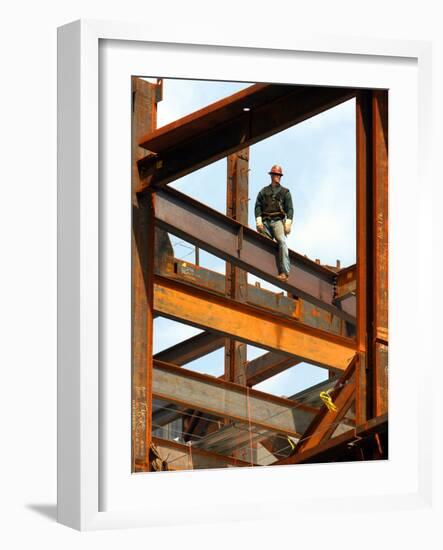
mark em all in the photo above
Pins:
pixel 273 215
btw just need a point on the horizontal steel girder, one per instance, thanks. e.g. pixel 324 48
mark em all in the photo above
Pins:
pixel 240 245
pixel 221 129
pixel 191 349
pixel 299 309
pixel 229 400
pixel 202 309
pixel 182 457
pixel 268 365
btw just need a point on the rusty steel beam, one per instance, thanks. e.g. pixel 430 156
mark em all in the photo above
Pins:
pixel 268 365
pixel 184 457
pixel 372 253
pixel 363 274
pixel 346 283
pixel 326 421
pixel 257 296
pixel 205 310
pixel 191 349
pixel 144 116
pixel 379 335
pixel 245 248
pixel 299 309
pixel 211 134
pixel 229 400
pixel 237 191
pixel 233 437
pixel 360 443
pixel 184 128
pixel 257 370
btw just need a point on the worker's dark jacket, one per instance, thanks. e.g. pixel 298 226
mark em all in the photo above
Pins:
pixel 274 202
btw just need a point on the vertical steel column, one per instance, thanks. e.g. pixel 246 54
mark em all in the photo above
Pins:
pixel 372 254
pixel 380 251
pixel 237 279
pixel 144 119
pixel 364 257
pixel 237 191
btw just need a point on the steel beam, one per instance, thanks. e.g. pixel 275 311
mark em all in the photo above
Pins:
pixel 237 185
pixel 229 400
pixel 243 322
pixel 144 115
pixel 346 283
pixel 191 349
pixel 255 295
pixel 360 443
pixel 326 421
pixel 379 342
pixel 372 253
pixel 363 274
pixel 217 131
pixel 298 309
pixel 269 365
pixel 186 457
pixel 245 248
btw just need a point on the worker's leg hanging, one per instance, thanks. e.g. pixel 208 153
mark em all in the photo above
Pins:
pixel 283 253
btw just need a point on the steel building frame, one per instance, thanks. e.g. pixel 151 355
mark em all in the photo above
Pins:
pixel 331 317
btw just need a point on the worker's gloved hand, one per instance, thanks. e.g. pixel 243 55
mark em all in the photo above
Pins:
pixel 260 226
pixel 288 224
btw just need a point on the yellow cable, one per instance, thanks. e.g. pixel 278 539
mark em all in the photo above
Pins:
pixel 326 398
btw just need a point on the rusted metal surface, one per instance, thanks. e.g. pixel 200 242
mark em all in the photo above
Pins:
pixel 346 283
pixel 143 120
pixel 182 457
pixel 363 276
pixel 269 365
pixel 229 400
pixel 380 251
pixel 332 317
pixel 216 282
pixel 191 349
pixel 219 235
pixel 372 253
pixel 243 322
pixel 204 119
pixel 234 439
pixel 213 133
pixel 280 303
pixel 237 188
pixel 326 421
pixel 366 442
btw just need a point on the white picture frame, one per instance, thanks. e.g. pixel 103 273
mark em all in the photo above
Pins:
pixel 82 417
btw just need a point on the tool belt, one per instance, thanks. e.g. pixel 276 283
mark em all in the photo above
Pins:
pixel 274 215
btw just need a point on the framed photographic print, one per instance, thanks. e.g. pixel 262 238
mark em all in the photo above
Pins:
pixel 233 221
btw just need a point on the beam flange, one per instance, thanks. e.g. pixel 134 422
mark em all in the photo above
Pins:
pixel 229 400
pixel 228 239
pixel 185 457
pixel 204 137
pixel 243 322
pixel 191 349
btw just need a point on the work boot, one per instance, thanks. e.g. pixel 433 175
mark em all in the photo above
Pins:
pixel 282 277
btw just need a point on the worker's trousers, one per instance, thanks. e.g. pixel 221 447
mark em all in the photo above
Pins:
pixel 274 229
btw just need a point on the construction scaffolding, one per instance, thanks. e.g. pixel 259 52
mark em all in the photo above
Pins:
pixel 326 316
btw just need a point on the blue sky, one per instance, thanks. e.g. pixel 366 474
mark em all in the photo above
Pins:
pixel 318 160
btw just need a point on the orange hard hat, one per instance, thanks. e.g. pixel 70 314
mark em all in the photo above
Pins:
pixel 276 169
